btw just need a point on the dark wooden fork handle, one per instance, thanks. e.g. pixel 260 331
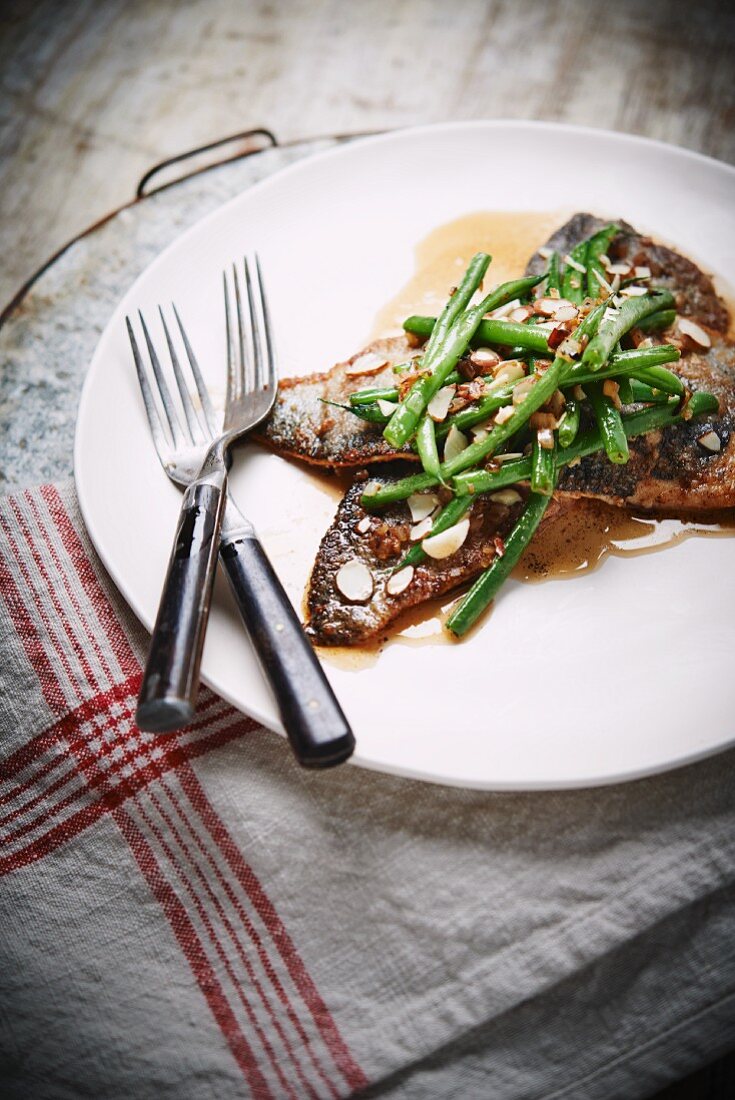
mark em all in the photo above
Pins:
pixel 167 698
pixel 317 729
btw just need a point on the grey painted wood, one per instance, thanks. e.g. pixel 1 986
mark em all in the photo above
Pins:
pixel 94 91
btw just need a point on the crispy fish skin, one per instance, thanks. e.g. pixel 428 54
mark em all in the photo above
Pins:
pixel 302 426
pixel 671 469
pixel 333 620
pixel 694 291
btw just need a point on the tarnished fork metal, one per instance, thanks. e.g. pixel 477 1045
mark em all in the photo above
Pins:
pixel 194 452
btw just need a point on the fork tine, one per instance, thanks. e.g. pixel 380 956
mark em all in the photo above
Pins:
pixel 209 413
pixel 154 420
pixel 257 379
pixel 272 364
pixel 195 428
pixel 231 369
pixel 244 362
pixel 168 405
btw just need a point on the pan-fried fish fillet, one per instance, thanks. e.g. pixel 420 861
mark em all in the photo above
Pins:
pixel 334 620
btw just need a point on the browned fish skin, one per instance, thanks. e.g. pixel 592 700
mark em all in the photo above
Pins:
pixel 302 426
pixel 695 294
pixel 333 620
pixel 671 470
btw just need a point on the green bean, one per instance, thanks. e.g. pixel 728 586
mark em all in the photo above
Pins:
pixel 660 379
pixel 458 302
pixel 492 330
pixel 625 390
pixel 598 245
pixel 543 468
pixel 641 392
pixel 611 329
pixel 369 413
pixel 450 514
pixel 610 423
pixel 486 586
pixel 553 274
pixel 569 425
pixel 657 322
pixel 426 444
pixel 447 343
pixel 573 283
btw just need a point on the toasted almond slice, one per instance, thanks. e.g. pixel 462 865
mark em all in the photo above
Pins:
pixel 364 525
pixel 545 253
pixel 694 332
pixel 619 269
pixel 387 407
pixel 355 581
pixel 520 314
pixel 506 496
pixel 521 391
pixel 642 272
pixel 503 415
pixel 565 313
pixel 438 407
pixel 546 439
pixel 503 311
pixel 369 363
pixel 399 581
pixel 575 265
pixel 484 357
pixel 454 444
pixel 605 261
pixel 420 530
pixel 422 505
pixel 507 372
pixel 710 440
pixel 548 307
pixel 633 291
pixel 446 542
pixel 508 456
pixel 372 488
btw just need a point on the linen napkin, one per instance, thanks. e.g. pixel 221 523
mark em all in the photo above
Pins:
pixel 191 915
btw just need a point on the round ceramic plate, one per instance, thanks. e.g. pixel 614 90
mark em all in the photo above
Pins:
pixel 617 673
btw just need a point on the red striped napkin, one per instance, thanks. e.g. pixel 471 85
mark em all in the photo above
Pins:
pixel 192 915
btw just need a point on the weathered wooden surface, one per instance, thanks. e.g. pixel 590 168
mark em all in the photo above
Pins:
pixel 92 92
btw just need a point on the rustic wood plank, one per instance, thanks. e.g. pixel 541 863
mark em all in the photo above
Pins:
pixel 94 91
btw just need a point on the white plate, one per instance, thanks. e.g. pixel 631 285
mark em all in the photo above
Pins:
pixel 618 673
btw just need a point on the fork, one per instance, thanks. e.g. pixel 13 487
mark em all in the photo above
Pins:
pixel 194 452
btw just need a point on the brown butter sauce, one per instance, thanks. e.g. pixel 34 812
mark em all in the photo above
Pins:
pixel 580 534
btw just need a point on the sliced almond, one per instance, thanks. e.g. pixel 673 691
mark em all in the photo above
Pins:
pixel 565 313
pixel 387 407
pixel 546 439
pixel 642 272
pixel 520 314
pixel 484 357
pixel 544 252
pixel 694 332
pixel 420 530
pixel 710 440
pixel 507 456
pixel 438 407
pixel 548 307
pixel 399 581
pixel 619 269
pixel 446 542
pixel 355 581
pixel 369 363
pixel 455 443
pixel 422 505
pixel 503 311
pixel 507 497
pixel 510 371
pixel 521 391
pixel 503 415
pixel 575 265
pixel 364 525
pixel 633 291
pixel 372 488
